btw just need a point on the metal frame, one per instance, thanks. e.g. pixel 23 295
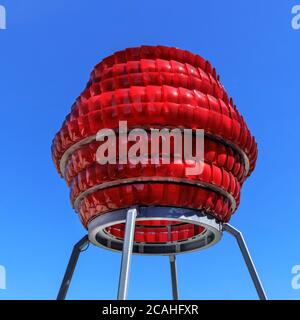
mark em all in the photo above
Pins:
pixel 77 249
pixel 127 252
pixel 248 260
pixel 213 230
pixel 174 277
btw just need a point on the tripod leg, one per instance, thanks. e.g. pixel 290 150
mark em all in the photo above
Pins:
pixel 127 253
pixel 174 277
pixel 248 260
pixel 71 267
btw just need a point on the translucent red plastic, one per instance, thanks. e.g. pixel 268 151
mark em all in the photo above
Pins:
pixel 155 87
pixel 154 194
pixel 214 153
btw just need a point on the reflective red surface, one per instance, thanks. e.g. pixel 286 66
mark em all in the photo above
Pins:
pixel 161 231
pixel 155 87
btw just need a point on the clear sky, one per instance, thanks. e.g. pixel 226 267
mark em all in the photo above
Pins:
pixel 46 55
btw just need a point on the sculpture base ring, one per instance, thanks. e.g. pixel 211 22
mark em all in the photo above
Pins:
pixel 209 230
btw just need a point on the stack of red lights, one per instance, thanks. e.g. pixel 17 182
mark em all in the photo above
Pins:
pixel 155 87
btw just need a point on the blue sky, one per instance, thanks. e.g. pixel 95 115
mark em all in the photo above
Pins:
pixel 46 55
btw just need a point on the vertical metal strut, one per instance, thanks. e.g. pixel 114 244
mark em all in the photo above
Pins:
pixel 174 277
pixel 127 254
pixel 77 249
pixel 248 260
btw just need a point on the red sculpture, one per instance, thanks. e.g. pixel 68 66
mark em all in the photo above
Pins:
pixel 155 87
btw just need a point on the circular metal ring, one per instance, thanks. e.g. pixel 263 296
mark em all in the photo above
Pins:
pixel 212 234
pixel 85 141
pixel 116 183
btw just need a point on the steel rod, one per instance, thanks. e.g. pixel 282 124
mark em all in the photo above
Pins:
pixel 248 260
pixel 174 277
pixel 127 254
pixel 77 249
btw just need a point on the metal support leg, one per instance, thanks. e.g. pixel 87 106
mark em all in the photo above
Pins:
pixel 79 246
pixel 127 253
pixel 246 255
pixel 174 277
